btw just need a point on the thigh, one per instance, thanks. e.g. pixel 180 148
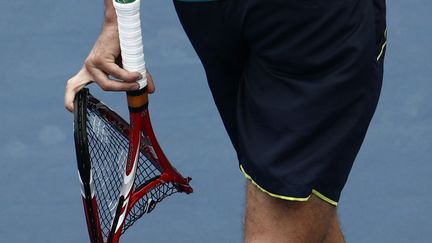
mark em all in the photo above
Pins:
pixel 310 89
pixel 221 51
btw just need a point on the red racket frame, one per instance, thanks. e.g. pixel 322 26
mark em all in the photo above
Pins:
pixel 140 129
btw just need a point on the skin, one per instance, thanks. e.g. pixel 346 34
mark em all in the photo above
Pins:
pixel 269 219
pixel 102 61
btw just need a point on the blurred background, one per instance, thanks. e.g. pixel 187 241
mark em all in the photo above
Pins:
pixel 44 42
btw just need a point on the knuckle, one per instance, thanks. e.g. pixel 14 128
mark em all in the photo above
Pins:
pixel 122 74
pixel 105 87
pixel 93 60
pixel 88 63
pixel 116 74
pixel 97 61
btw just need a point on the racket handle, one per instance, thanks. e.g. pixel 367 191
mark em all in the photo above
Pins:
pixel 131 44
pixel 137 100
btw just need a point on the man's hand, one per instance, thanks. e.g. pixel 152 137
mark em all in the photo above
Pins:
pixel 100 63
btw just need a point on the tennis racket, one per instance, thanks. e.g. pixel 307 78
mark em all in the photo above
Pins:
pixel 122 169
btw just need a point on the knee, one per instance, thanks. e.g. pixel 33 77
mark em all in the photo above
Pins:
pixel 286 221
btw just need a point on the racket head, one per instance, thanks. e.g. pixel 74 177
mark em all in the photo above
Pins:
pixel 102 144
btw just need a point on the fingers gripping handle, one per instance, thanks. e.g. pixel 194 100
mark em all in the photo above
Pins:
pixel 131 44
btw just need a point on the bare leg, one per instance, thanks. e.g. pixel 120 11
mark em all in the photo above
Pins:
pixel 334 234
pixel 272 220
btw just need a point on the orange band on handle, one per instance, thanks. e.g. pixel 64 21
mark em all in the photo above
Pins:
pixel 137 101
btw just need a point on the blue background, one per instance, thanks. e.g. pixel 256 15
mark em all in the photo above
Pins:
pixel 42 44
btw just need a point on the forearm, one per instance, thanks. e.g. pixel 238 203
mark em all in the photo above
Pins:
pixel 110 15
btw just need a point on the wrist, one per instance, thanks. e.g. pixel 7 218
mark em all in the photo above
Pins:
pixel 110 14
pixel 110 18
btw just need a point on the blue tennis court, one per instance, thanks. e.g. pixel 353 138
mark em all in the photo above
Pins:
pixel 43 43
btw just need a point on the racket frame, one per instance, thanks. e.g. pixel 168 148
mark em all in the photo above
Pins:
pixel 141 128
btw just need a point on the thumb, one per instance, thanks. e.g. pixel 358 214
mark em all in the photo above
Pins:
pixel 75 84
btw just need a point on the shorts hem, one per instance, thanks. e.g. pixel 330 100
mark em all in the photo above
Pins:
pixel 288 198
pixel 324 198
pixel 301 199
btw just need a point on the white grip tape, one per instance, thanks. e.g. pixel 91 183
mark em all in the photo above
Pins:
pixel 131 45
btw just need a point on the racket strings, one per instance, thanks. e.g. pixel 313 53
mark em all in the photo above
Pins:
pixel 147 203
pixel 146 172
pixel 108 149
pixel 108 152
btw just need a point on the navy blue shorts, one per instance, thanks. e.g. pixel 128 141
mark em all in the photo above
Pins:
pixel 296 83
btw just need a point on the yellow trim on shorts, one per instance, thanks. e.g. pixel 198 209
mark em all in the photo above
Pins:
pixel 383 45
pixel 382 50
pixel 324 198
pixel 300 199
